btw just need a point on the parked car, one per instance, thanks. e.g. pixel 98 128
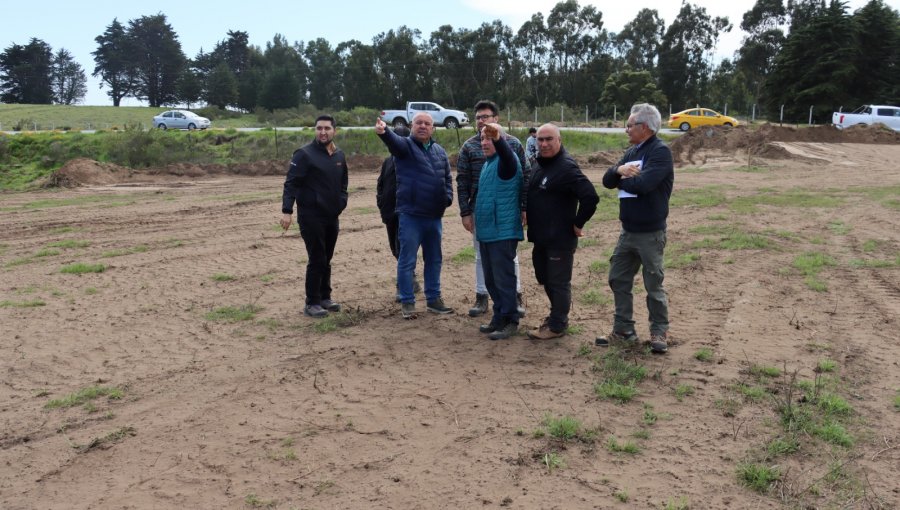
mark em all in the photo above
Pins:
pixel 868 114
pixel 450 119
pixel 696 117
pixel 180 119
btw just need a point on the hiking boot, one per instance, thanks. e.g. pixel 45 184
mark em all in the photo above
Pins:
pixel 417 287
pixel 658 343
pixel 511 329
pixel 480 307
pixel 616 337
pixel 331 306
pixel 544 332
pixel 490 328
pixel 437 306
pixel 315 311
pixel 520 306
pixel 408 310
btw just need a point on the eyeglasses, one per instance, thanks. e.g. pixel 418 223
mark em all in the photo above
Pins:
pixel 629 126
pixel 484 117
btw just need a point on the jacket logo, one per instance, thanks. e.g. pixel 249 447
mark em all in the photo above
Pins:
pixel 544 183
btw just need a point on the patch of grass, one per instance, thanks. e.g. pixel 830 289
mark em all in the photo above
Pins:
pixel 84 395
pixel 46 252
pixel 90 291
pixel 752 393
pixel 704 354
pixel 595 297
pixel 574 329
pixel 834 433
pixel 826 365
pixel 679 260
pixel 563 427
pixel 587 242
pixel 621 495
pixel 233 313
pixel 338 320
pixel 834 405
pixel 615 391
pixel 600 267
pixel 553 461
pixel 583 350
pixel 791 198
pixel 81 268
pixel 619 376
pixel 629 447
pixel 650 416
pixel 875 263
pixel 763 371
pixel 839 228
pixel 254 501
pixel 125 251
pixel 464 256
pixel 69 244
pixel 690 170
pixel 897 401
pixel 752 169
pixel 681 503
pixel 65 230
pixel 266 278
pixel 641 434
pixel 709 196
pixel 869 245
pixel 221 277
pixel 34 303
pixel 683 390
pixel 782 446
pixel 757 476
pixel 19 261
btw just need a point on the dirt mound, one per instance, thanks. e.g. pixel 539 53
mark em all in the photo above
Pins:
pixel 743 138
pixel 83 171
pixel 604 158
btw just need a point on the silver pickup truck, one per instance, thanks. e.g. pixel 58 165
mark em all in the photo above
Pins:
pixel 450 119
pixel 868 114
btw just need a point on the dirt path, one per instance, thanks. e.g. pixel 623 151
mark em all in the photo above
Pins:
pixel 386 413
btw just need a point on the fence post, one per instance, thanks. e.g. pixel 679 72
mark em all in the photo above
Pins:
pixel 726 109
pixel 585 114
pixel 535 115
pixel 614 115
pixel 753 115
pixel 562 113
pixel 810 115
pixel 781 117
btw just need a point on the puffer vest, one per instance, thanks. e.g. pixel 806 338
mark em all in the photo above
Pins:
pixel 498 215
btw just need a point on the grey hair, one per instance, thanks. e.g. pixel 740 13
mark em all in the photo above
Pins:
pixel 648 114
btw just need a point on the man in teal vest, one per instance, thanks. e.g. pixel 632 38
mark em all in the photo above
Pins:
pixel 498 229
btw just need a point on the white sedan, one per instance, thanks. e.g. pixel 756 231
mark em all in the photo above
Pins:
pixel 180 119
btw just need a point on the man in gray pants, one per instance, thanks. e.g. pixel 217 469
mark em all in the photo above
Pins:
pixel 644 176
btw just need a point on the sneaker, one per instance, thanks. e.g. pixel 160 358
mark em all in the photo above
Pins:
pixel 616 337
pixel 408 310
pixel 520 306
pixel 490 328
pixel 438 306
pixel 658 343
pixel 544 333
pixel 331 306
pixel 481 305
pixel 315 311
pixel 511 329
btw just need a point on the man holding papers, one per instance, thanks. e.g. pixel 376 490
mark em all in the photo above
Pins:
pixel 644 177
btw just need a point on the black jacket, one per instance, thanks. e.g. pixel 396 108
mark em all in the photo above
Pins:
pixel 559 197
pixel 316 181
pixel 386 190
pixel 647 212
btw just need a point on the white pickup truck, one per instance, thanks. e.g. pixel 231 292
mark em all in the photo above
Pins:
pixel 450 119
pixel 868 114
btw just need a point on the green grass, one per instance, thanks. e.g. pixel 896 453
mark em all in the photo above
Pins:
pixel 599 267
pixel 464 256
pixel 833 405
pixel 629 447
pixel 46 252
pixel 619 377
pixel 621 495
pixel 826 365
pixel 69 243
pixel 683 390
pixel 704 354
pixel 34 303
pixel 897 401
pixel 763 371
pixel 782 446
pixel 791 198
pixel 757 476
pixel 563 427
pixel 595 297
pixel 869 245
pixel 124 251
pixel 834 433
pixel 233 313
pixel 553 461
pixel 839 228
pixel 810 264
pixel 338 320
pixel 221 277
pixel 709 196
pixel 752 393
pixel 85 395
pixel 681 503
pixel 81 268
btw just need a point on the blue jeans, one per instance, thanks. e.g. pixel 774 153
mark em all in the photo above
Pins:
pixel 416 231
pixel 498 258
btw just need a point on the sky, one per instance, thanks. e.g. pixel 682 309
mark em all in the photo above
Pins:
pixel 73 25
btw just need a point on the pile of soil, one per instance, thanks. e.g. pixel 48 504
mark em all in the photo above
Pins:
pixel 743 138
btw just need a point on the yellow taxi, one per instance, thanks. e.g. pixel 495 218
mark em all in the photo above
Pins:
pixel 696 117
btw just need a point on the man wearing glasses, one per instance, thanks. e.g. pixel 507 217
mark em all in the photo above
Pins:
pixel 468 170
pixel 644 177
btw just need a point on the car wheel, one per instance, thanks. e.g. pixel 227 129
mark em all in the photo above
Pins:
pixel 684 126
pixel 191 126
pixel 451 123
pixel 728 124
pixel 162 126
pixel 399 122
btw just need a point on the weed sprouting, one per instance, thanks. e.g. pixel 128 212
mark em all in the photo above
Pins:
pixel 757 476
pixel 85 395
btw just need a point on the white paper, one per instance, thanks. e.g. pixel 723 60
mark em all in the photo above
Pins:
pixel 624 194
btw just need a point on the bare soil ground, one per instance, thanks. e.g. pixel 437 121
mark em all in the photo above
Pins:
pixel 274 411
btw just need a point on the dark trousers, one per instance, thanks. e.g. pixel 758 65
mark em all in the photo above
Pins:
pixel 320 236
pixel 499 262
pixel 393 229
pixel 639 250
pixel 553 270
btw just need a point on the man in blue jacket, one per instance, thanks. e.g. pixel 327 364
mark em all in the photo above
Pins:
pixel 424 191
pixel 317 182
pixel 644 176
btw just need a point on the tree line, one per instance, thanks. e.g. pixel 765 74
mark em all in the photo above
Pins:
pixel 797 53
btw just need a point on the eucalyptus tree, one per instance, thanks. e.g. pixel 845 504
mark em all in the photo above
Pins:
pixel 877 28
pixel 360 81
pixel 68 79
pixel 158 59
pixel 638 42
pixel 325 70
pixel 532 46
pixel 25 73
pixel 114 63
pixel 405 69
pixel 577 38
pixel 765 37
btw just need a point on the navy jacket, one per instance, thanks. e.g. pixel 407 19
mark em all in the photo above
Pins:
pixel 424 182
pixel 559 197
pixel 316 181
pixel 653 186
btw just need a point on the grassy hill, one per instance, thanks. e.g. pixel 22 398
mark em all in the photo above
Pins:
pixel 29 117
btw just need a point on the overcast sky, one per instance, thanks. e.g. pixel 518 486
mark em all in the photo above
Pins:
pixel 74 25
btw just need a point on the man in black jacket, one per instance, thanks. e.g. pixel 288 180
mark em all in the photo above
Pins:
pixel 317 182
pixel 644 176
pixel 560 201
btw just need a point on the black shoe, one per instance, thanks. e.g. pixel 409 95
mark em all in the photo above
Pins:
pixel 417 287
pixel 437 306
pixel 659 343
pixel 511 329
pixel 315 311
pixel 520 306
pixel 331 306
pixel 615 337
pixel 489 328
pixel 480 307
pixel 408 310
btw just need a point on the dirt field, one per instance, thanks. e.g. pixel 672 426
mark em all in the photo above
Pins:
pixel 209 411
